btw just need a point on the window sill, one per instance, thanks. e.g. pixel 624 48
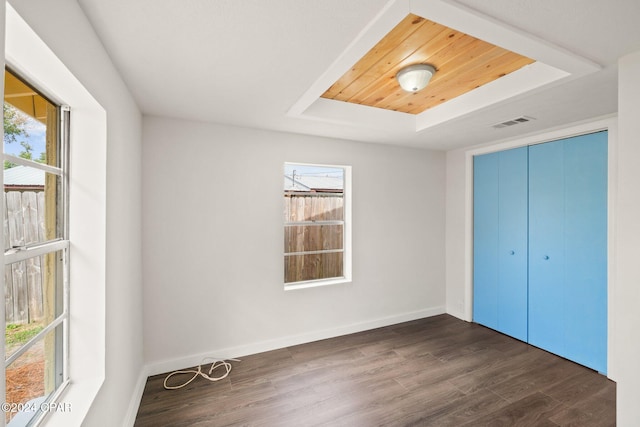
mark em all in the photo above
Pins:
pixel 75 403
pixel 315 283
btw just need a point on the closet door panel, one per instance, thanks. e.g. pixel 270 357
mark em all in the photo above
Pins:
pixel 547 292
pixel 500 241
pixel 586 248
pixel 512 243
pixel 568 248
pixel 485 239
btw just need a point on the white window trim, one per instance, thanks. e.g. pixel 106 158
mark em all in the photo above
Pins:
pixel 347 246
pixel 29 56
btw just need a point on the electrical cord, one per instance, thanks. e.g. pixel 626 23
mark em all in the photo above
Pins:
pixel 198 372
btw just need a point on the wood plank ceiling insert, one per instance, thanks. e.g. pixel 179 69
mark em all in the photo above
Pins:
pixel 463 63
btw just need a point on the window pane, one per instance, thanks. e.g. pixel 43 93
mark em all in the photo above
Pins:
pixel 304 238
pixel 34 214
pixel 35 375
pixel 30 123
pixel 313 221
pixel 33 298
pixel 313 266
pixel 32 211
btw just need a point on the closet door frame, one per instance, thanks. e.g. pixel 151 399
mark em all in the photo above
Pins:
pixel 608 124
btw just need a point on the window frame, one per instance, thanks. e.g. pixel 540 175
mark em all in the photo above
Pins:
pixel 346 250
pixel 60 243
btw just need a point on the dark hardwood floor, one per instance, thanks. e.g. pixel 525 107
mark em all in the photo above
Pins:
pixel 438 371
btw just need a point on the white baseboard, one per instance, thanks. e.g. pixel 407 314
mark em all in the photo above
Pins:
pixel 159 367
pixel 460 314
pixel 136 397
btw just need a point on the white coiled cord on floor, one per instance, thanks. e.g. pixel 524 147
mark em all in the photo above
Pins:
pixel 198 372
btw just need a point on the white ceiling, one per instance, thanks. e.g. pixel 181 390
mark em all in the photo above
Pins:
pixel 249 62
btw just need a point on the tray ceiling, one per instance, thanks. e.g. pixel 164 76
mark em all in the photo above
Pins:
pixel 463 63
pixel 479 63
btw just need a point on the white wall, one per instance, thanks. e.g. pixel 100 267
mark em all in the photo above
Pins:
pixel 213 241
pixel 64 28
pixel 457 242
pixel 627 268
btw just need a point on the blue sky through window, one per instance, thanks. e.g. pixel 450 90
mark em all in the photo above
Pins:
pixel 318 171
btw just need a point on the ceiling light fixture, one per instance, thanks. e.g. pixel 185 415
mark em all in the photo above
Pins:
pixel 415 77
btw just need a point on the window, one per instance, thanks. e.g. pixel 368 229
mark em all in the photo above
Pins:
pixel 86 207
pixel 316 225
pixel 36 257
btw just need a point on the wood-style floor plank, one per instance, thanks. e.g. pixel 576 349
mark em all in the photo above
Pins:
pixel 438 371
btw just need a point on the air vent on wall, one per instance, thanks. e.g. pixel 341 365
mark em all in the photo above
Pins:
pixel 512 122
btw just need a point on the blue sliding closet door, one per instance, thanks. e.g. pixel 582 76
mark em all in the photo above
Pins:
pixel 568 248
pixel 485 239
pixel 500 241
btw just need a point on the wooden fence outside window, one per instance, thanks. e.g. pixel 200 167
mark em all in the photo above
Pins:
pixel 24 217
pixel 313 236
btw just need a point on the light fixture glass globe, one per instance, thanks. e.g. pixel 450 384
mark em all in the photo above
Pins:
pixel 415 77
